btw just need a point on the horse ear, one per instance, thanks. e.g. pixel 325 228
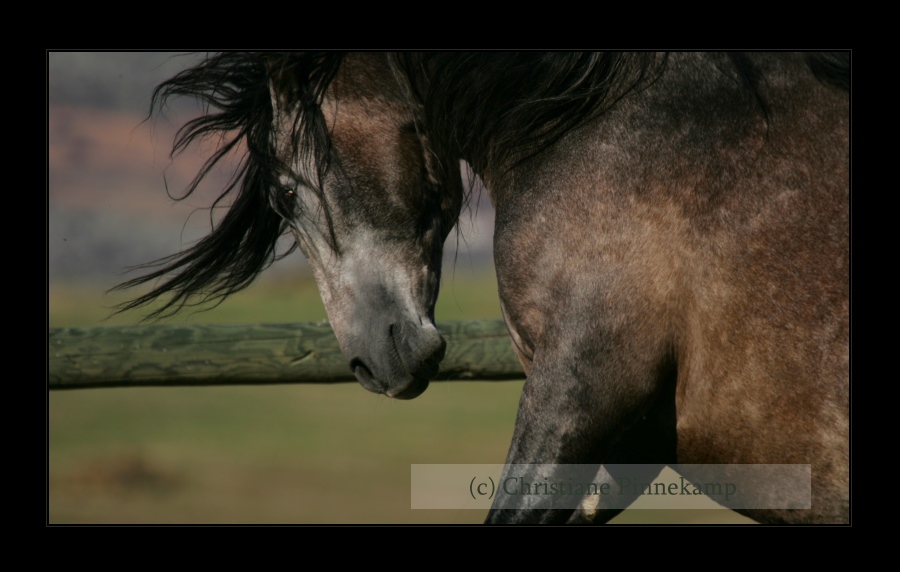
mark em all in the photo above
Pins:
pixel 273 96
pixel 281 84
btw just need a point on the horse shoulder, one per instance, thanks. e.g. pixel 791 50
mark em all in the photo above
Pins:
pixel 645 242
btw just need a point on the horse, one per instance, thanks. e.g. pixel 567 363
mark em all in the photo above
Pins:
pixel 671 241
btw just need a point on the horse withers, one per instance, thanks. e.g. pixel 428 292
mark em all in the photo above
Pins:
pixel 671 243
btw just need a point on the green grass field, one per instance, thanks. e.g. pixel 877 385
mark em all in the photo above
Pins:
pixel 275 454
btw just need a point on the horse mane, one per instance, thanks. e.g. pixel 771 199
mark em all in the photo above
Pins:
pixel 234 90
pixel 500 108
pixel 831 68
pixel 494 109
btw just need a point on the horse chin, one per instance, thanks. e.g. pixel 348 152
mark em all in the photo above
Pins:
pixel 411 391
pixel 409 388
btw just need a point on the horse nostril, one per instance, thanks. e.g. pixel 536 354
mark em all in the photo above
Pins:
pixel 364 375
pixel 441 349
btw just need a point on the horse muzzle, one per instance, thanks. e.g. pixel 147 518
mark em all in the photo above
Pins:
pixel 399 361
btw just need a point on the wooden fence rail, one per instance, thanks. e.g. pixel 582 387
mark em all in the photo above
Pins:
pixel 165 355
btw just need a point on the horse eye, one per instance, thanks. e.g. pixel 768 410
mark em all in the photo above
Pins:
pixel 286 190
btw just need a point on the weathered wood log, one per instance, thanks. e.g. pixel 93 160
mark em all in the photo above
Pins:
pixel 166 355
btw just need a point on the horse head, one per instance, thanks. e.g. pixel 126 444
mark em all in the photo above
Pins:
pixel 370 207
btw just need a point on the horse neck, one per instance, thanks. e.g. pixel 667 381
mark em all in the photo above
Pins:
pixel 745 98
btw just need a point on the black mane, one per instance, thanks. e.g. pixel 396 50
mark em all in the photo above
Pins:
pixel 493 109
pixel 234 89
pixel 499 108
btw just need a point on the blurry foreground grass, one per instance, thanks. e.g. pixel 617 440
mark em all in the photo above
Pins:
pixel 276 454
